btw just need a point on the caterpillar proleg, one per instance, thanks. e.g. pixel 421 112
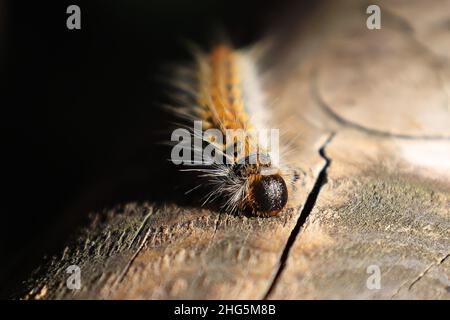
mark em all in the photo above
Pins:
pixel 235 155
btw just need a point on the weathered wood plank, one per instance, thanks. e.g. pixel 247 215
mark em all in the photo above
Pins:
pixel 141 251
pixel 372 211
pixel 387 198
pixel 382 96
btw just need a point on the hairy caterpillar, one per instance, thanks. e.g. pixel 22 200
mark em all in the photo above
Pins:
pixel 221 90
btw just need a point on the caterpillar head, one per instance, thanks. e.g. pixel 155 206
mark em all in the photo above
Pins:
pixel 266 193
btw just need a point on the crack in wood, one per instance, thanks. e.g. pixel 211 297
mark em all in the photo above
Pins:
pixel 130 262
pixel 307 208
pixel 420 276
pixel 141 227
pixel 356 126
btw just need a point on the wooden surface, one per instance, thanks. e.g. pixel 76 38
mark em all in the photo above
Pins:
pixel 370 113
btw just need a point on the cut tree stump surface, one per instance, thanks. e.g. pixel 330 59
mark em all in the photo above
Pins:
pixel 370 111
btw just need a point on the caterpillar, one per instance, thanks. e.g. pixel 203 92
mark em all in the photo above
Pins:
pixel 220 91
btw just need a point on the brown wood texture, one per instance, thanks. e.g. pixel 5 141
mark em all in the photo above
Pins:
pixel 370 113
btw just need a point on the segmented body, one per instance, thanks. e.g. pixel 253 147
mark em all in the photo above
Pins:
pixel 228 97
pixel 220 92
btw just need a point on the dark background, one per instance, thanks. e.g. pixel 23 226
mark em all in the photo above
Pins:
pixel 79 111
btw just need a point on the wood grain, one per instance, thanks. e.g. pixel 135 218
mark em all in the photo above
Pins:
pixel 373 155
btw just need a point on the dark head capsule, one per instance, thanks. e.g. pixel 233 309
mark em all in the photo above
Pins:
pixel 268 195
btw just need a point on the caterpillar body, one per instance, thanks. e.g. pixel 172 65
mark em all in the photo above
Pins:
pixel 221 89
